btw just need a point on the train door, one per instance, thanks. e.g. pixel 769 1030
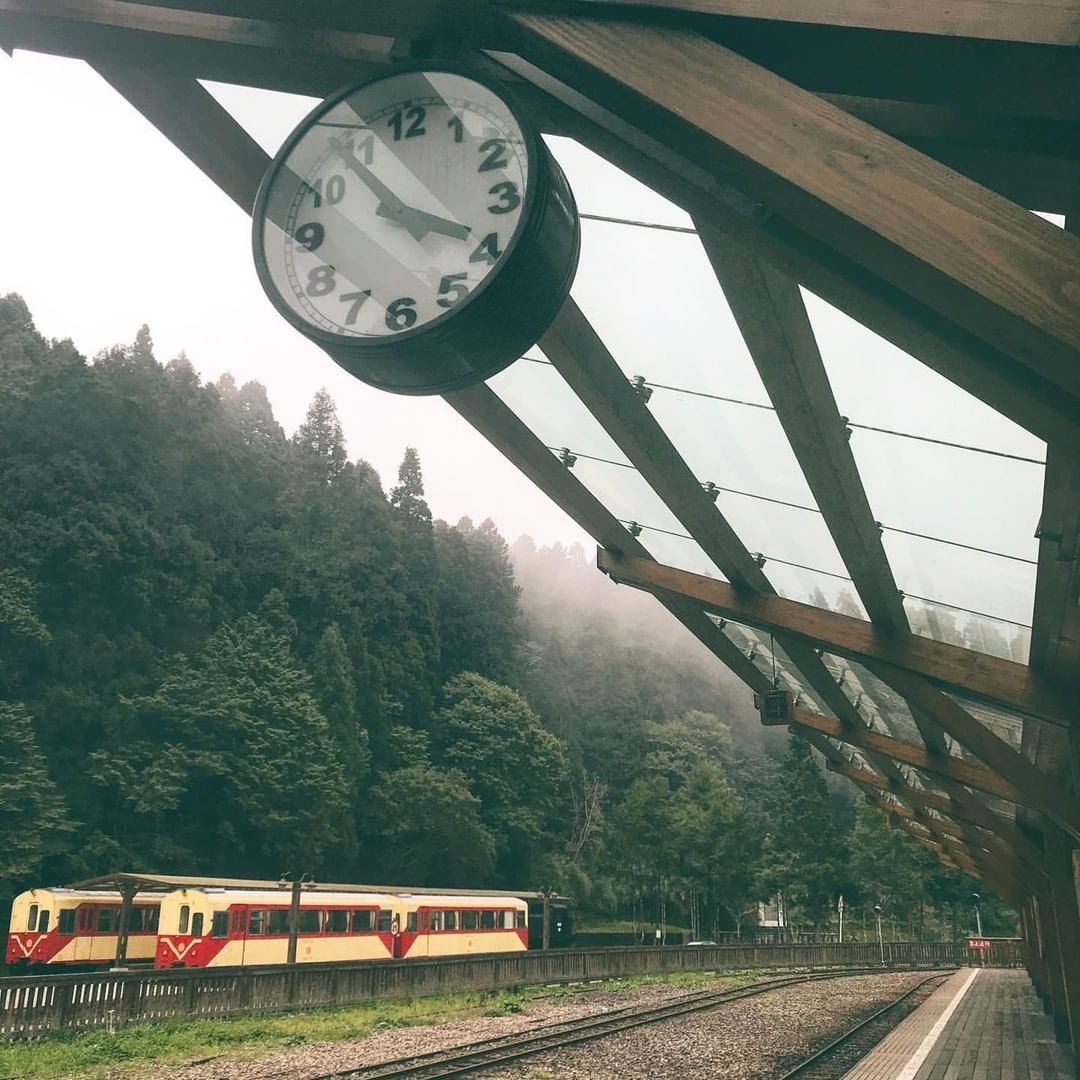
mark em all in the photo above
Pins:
pixel 85 920
pixel 238 921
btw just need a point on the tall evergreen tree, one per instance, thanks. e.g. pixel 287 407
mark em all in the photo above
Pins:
pixel 804 853
pixel 33 816
pixel 320 439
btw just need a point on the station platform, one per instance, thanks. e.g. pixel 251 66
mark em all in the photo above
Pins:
pixel 981 1024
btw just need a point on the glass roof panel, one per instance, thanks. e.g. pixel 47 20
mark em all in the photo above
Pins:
pixel 655 301
pixel 547 405
pixel 1004 723
pixel 877 384
pixel 883 709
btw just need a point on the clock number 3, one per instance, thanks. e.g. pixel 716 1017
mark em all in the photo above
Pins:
pixel 509 199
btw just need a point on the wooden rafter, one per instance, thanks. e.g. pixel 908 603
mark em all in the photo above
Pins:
pixel 979 261
pixel 769 310
pixel 1051 22
pixel 986 677
pixel 583 360
pixel 1039 790
pixel 963 772
pixel 1055 630
pixel 772 319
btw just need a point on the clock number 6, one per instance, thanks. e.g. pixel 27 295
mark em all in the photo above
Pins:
pixel 400 314
pixel 452 290
pixel 509 199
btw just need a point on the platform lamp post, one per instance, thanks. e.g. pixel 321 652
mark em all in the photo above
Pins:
pixel 978 915
pixel 880 939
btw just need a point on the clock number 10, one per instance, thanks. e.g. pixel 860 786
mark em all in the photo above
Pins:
pixel 332 192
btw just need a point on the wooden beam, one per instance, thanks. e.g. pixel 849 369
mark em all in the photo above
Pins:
pixel 1055 629
pixel 1006 277
pixel 964 772
pixel 1049 22
pixel 1038 789
pixel 986 677
pixel 772 319
pixel 580 356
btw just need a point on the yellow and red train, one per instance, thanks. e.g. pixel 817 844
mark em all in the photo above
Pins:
pixel 218 927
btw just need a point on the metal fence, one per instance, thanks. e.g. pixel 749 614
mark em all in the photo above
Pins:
pixel 35 1006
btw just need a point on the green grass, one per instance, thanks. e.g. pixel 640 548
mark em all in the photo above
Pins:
pixel 98 1054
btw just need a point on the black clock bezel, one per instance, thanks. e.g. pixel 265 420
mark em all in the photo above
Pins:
pixel 492 326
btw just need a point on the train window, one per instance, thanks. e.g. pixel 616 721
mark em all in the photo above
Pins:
pixel 386 917
pixel 520 919
pixel 436 921
pixel 237 922
pixel 31 919
pixel 135 920
pixel 310 921
pixel 256 922
pixel 410 923
pixel 86 918
pixel 106 920
pixel 67 921
pixel 197 924
pixel 487 920
pixel 469 920
pixel 185 919
pixel 450 920
pixel 43 922
pixel 508 920
pixel 153 916
pixel 219 925
pixel 337 922
pixel 279 921
pixel 362 922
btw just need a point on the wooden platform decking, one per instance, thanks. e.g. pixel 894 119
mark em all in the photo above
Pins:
pixel 987 1027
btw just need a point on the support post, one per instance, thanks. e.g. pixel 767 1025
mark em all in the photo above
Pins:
pixel 1067 924
pixel 127 894
pixel 294 918
pixel 545 934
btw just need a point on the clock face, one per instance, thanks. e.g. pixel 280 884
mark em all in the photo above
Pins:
pixel 393 206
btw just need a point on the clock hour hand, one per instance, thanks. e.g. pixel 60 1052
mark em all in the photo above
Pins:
pixel 420 221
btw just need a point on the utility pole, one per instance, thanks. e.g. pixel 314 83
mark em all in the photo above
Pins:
pixel 545 933
pixel 840 909
pixel 880 939
pixel 978 915
pixel 297 884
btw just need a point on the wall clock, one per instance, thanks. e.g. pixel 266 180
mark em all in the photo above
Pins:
pixel 418 229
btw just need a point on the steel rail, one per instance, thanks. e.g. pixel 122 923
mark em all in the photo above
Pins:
pixel 819 1057
pixel 482 1054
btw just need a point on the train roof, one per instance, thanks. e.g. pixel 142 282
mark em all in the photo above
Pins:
pixel 308 898
pixel 451 900
pixel 89 895
pixel 168 882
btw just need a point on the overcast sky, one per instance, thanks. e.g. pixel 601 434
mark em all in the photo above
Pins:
pixel 108 226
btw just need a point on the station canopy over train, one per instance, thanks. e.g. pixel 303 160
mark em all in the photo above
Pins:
pixel 824 402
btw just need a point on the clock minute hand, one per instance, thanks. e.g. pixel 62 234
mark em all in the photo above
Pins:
pixel 394 208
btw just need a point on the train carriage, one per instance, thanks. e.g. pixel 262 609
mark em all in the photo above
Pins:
pixel 451 925
pixel 79 928
pixel 239 927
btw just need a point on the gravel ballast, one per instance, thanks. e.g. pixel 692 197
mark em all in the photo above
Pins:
pixel 741 1040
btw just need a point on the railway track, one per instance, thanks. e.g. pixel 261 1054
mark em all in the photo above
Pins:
pixel 835 1059
pixel 500 1050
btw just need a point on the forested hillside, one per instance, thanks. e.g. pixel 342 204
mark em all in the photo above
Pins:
pixel 225 650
